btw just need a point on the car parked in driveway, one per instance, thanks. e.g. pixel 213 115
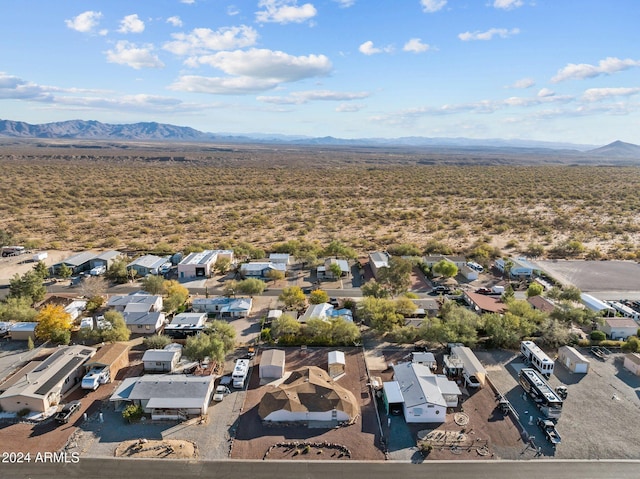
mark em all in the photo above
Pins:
pixel 220 392
pixel 440 290
pixel 63 416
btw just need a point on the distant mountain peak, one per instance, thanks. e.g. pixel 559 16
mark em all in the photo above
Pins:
pixel 617 149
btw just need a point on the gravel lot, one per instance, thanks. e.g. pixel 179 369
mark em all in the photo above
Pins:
pixel 591 276
pixel 601 415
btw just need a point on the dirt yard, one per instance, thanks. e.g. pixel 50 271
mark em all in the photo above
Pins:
pixel 359 440
pixel 149 449
pixel 475 430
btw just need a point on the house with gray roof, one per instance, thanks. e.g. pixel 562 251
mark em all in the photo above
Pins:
pixel 325 270
pixel 201 264
pixel 223 307
pixel 377 261
pixel 86 261
pixel 135 302
pixel 148 264
pixel 144 322
pixel 161 360
pixel 184 325
pixel 425 395
pixel 260 269
pixel 42 384
pixel 325 311
pixel 166 396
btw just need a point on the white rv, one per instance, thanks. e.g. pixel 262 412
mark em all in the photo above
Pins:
pixel 95 377
pixel 240 372
pixel 537 358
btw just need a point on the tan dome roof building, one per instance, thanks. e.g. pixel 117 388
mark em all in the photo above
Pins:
pixel 308 394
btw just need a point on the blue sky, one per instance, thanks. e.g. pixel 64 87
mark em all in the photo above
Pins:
pixel 554 70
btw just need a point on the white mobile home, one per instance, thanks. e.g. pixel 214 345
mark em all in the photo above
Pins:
pixel 425 396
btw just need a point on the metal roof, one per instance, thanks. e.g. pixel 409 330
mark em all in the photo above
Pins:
pixel 161 354
pixel 149 261
pixel 178 388
pixel 418 385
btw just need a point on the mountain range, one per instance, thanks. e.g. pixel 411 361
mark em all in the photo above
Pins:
pixel 152 131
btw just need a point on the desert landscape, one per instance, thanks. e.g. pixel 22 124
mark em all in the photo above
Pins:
pixel 167 197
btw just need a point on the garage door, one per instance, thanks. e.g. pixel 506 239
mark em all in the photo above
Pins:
pixel 581 368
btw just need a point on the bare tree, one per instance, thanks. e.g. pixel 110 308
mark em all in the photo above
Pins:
pixel 93 286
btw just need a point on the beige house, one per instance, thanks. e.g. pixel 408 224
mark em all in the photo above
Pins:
pixel 42 384
pixel 308 394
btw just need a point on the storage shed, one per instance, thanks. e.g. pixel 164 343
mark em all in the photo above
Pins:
pixel 113 355
pixel 573 360
pixel 272 364
pixel 632 363
pixel 23 331
pixel 336 364
pixel 160 360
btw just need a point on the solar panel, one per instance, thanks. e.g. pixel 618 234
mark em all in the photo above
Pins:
pixel 60 375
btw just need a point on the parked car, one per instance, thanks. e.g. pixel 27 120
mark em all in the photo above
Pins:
pixel 483 291
pixel 220 392
pixel 67 411
pixel 439 289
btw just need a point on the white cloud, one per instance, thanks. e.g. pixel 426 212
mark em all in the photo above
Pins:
pixel 85 22
pixel 284 11
pixel 598 94
pixel 188 2
pixel 175 21
pixel 129 54
pixel 507 4
pixel 545 92
pixel 301 97
pixel 581 71
pixel 345 3
pixel 523 83
pixel 232 10
pixel 203 40
pixel 481 107
pixel 415 45
pixel 131 24
pixel 349 107
pixel 431 6
pixel 223 86
pixel 12 87
pixel 268 64
pixel 367 48
pixel 489 34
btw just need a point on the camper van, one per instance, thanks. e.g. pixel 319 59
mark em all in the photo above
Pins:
pixel 95 377
pixel 240 372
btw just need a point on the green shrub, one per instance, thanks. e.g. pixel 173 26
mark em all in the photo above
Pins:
pixel 598 335
pixel 132 413
pixel 156 341
pixel 632 345
pixel 265 335
pixel 23 412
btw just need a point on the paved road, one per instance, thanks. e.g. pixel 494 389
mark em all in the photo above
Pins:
pixel 127 468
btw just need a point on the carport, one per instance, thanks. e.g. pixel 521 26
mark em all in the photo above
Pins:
pixel 392 396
